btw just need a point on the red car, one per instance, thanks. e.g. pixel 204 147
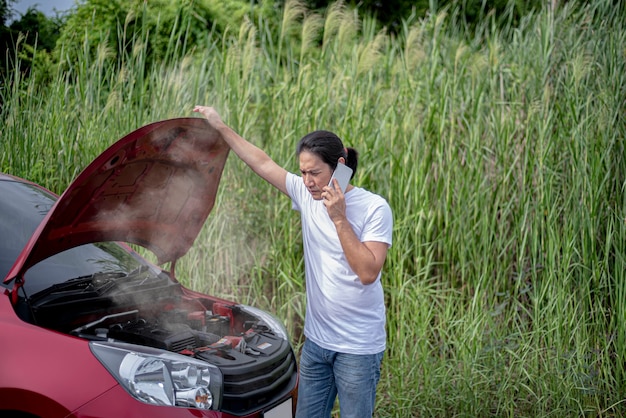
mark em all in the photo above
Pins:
pixel 88 328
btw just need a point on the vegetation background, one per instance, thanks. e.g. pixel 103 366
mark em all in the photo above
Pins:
pixel 495 131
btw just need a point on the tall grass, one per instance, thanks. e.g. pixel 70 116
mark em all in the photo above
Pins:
pixel 501 154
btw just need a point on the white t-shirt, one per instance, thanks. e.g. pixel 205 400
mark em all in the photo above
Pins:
pixel 342 314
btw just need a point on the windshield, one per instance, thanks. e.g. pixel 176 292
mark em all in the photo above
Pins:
pixel 22 207
pixel 85 260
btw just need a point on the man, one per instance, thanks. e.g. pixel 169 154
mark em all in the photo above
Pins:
pixel 346 238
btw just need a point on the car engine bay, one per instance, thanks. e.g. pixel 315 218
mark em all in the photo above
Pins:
pixel 248 345
pixel 221 335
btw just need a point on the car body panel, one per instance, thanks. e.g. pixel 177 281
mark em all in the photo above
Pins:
pixel 155 188
pixel 64 386
pixel 116 403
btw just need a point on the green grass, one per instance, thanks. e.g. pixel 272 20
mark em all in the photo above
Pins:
pixel 501 154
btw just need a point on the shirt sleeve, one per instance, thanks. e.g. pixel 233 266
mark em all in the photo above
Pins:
pixel 380 225
pixel 295 193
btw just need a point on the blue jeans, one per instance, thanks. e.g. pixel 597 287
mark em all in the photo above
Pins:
pixel 324 374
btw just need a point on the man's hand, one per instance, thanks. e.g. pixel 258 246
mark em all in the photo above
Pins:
pixel 210 114
pixel 335 201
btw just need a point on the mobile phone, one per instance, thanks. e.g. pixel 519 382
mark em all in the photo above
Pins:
pixel 342 173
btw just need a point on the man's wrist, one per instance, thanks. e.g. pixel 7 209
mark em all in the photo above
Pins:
pixel 341 222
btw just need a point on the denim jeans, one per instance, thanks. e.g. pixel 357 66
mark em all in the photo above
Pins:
pixel 324 374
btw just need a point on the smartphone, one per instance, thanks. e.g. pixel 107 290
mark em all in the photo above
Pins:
pixel 342 173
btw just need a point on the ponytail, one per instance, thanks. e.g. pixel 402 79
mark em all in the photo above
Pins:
pixel 352 159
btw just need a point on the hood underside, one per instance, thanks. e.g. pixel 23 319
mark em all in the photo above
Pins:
pixel 155 188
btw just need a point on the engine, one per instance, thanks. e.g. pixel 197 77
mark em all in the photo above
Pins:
pixel 201 334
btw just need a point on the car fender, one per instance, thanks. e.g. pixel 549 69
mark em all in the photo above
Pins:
pixel 60 373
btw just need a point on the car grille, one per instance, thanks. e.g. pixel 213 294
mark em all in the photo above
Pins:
pixel 257 384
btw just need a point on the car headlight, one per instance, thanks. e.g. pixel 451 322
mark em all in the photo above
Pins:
pixel 271 321
pixel 161 377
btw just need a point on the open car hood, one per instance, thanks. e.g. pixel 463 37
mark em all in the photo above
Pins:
pixel 154 187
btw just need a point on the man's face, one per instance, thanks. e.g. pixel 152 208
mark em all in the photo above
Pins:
pixel 315 173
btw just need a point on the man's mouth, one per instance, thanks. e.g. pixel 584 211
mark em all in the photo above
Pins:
pixel 315 193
